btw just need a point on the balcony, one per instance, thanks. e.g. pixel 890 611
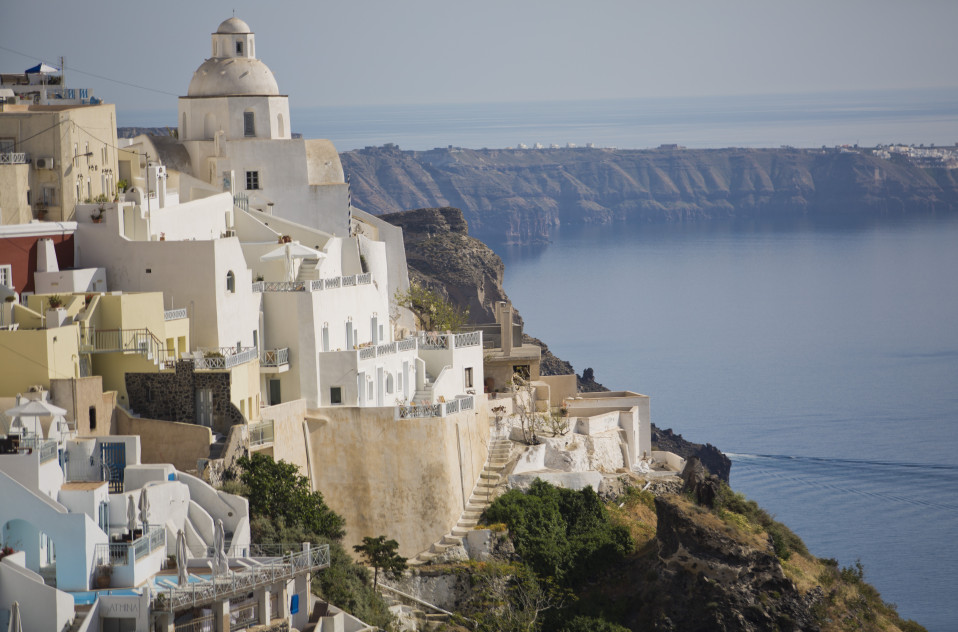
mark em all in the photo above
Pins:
pixel 128 560
pixel 241 583
pixel 314 285
pixel 13 158
pixel 174 314
pixel 433 340
pixel 441 409
pixel 261 434
pixel 274 360
pixel 223 358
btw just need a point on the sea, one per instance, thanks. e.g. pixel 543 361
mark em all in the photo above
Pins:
pixel 820 354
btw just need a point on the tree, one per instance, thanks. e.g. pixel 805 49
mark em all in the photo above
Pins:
pixel 280 498
pixel 381 554
pixel 432 311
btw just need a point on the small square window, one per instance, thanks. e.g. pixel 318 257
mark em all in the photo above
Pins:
pixel 252 180
pixel 336 395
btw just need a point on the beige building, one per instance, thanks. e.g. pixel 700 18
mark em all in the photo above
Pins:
pixel 71 152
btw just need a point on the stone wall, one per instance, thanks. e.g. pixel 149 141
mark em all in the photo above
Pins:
pixel 180 444
pixel 406 479
pixel 171 396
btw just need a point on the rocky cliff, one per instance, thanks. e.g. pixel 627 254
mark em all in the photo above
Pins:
pixel 519 196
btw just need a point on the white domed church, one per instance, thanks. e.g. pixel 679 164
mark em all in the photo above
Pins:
pixel 234 124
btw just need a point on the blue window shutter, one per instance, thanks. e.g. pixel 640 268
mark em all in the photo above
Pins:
pixel 294 604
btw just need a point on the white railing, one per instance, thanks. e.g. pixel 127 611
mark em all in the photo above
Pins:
pixel 419 411
pixel 388 348
pixel 198 594
pixel 46 447
pixel 432 340
pixel 441 409
pixel 314 285
pixel 224 358
pixel 174 314
pixel 274 357
pixel 261 433
pixel 468 339
pixel 13 158
pixel 435 340
pixel 122 553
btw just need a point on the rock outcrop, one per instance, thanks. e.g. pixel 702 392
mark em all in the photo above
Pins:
pixel 710 456
pixel 711 577
pixel 520 196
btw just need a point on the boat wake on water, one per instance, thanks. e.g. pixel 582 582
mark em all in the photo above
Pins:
pixel 891 481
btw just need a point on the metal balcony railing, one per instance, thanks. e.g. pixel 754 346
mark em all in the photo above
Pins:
pixel 13 158
pixel 283 568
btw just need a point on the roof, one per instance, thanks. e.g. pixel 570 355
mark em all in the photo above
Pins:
pixel 231 76
pixel 233 25
pixel 172 153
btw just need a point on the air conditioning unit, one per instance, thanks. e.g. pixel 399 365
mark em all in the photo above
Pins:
pixel 45 163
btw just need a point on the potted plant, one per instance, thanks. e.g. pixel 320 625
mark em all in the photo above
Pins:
pixel 55 301
pixel 97 215
pixel 104 576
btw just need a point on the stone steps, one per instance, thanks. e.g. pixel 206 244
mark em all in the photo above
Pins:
pixel 490 480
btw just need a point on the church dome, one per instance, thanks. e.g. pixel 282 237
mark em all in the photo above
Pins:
pixel 233 25
pixel 227 76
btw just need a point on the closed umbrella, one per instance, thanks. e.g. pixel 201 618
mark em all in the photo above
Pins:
pixel 221 565
pixel 16 625
pixel 144 505
pixel 181 558
pixel 130 515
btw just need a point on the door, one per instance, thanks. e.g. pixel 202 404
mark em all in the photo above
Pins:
pixel 379 386
pixel 204 407
pixel 274 392
pixel 374 331
pixel 349 335
pixel 113 459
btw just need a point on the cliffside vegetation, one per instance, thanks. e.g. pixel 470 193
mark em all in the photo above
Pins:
pixel 643 562
pixel 520 196
pixel 284 510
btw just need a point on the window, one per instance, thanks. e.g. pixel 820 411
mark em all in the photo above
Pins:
pixel 336 395
pixel 92 417
pixel 522 370
pixel 239 48
pixel 252 180
pixel 468 377
pixel 249 125
pixel 231 282
pixel 6 276
pixel 389 382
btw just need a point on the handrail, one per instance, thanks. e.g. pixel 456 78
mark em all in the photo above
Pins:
pixel 226 358
pixel 142 341
pixel 240 583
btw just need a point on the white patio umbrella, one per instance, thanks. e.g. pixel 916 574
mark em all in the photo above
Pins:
pixel 130 515
pixel 181 558
pixel 144 506
pixel 32 409
pixel 221 564
pixel 288 252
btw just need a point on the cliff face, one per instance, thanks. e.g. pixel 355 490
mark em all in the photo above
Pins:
pixel 519 196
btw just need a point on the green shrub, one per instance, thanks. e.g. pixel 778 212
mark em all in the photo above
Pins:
pixel 591 624
pixel 560 533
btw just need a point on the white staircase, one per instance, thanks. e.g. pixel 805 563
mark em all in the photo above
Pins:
pixel 308 269
pixel 425 394
pixel 490 486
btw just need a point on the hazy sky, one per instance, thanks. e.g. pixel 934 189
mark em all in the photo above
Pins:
pixel 444 51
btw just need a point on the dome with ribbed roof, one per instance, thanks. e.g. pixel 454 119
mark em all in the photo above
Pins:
pixel 233 25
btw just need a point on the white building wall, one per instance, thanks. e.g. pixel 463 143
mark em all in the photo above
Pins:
pixel 191 274
pixel 42 607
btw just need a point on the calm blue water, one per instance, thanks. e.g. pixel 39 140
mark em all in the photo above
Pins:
pixel 822 355
pixel 867 118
